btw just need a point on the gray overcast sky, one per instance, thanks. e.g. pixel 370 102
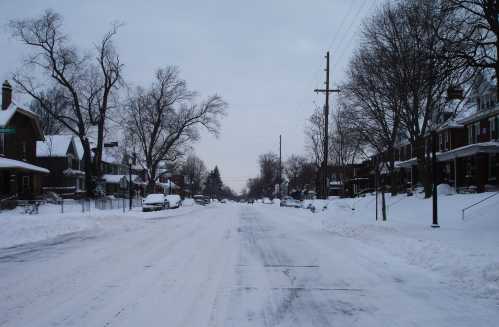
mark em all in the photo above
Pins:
pixel 264 57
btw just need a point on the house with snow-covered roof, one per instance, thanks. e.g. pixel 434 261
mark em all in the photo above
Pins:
pixel 60 154
pixel 20 175
pixel 467 144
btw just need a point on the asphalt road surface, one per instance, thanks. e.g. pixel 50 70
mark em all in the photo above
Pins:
pixel 226 265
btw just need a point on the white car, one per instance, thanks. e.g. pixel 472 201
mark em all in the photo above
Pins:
pixel 173 201
pixel 155 201
pixel 288 201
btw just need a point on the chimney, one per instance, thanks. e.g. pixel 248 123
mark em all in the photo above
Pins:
pixel 6 95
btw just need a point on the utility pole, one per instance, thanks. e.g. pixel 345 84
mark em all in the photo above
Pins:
pixel 280 166
pixel 327 90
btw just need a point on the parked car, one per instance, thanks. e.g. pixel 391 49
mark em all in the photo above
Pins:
pixel 223 201
pixel 267 201
pixel 201 200
pixel 155 201
pixel 290 202
pixel 173 201
pixel 188 202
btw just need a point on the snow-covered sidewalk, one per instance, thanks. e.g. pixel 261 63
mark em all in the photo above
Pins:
pixel 465 251
pixel 17 228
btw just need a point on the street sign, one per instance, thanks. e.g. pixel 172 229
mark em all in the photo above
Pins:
pixel 455 93
pixel 7 131
pixel 111 144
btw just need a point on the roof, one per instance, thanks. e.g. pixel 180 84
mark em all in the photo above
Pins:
pixel 116 179
pixel 464 151
pixel 54 146
pixel 479 115
pixel 7 114
pixel 6 163
pixel 79 147
pixel 469 150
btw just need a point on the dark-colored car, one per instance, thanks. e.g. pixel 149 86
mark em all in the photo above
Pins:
pixel 201 200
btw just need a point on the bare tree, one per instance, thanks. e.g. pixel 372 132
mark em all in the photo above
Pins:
pixel 405 74
pixel 299 171
pixel 472 33
pixel 314 142
pixel 195 170
pixel 429 71
pixel 52 98
pixel 269 172
pixel 346 140
pixel 86 82
pixel 163 120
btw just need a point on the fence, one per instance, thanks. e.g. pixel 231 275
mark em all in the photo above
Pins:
pixel 119 203
pixel 87 205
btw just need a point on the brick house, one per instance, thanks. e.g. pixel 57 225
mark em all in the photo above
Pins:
pixel 20 176
pixel 467 146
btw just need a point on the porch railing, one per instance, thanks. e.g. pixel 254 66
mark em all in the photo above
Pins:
pixel 476 203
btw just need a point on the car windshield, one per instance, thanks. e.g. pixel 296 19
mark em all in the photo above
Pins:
pixel 152 198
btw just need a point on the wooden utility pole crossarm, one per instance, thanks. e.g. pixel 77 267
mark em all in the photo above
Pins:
pixel 327 90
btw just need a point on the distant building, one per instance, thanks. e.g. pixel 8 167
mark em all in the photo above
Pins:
pixel 20 176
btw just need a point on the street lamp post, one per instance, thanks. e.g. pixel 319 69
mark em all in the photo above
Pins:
pixel 434 178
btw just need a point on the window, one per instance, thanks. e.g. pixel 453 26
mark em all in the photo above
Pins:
pixel 476 127
pixel 24 149
pixel 440 142
pixel 492 175
pixel 446 141
pixel 470 133
pixel 70 161
pixel 494 128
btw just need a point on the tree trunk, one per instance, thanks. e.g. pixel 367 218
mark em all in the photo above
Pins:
pixel 87 159
pixel 383 202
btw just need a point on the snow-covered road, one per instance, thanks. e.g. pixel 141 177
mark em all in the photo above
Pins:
pixel 227 265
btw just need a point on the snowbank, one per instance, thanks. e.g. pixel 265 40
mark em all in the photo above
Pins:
pixel 17 228
pixel 464 251
pixel 445 189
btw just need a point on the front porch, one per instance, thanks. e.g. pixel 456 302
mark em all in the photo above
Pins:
pixel 20 179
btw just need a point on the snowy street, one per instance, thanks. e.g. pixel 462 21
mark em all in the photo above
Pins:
pixel 230 265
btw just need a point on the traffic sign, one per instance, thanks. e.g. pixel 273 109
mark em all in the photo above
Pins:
pixel 7 131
